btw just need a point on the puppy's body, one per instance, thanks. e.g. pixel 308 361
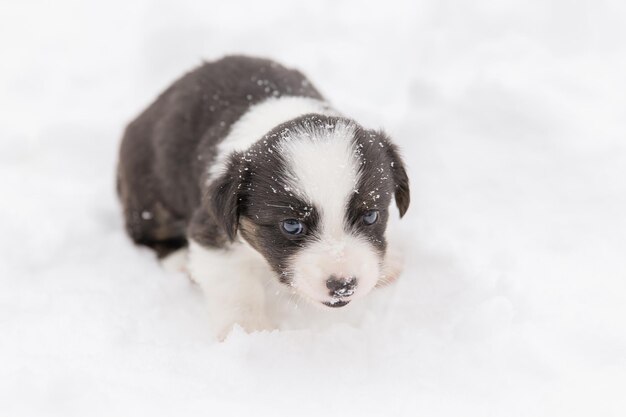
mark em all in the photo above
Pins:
pixel 243 161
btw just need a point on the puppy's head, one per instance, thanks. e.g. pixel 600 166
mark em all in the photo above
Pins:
pixel 313 197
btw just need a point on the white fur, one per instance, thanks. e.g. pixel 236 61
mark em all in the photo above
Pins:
pixel 393 264
pixel 341 256
pixel 237 281
pixel 176 261
pixel 233 282
pixel 259 120
pixel 324 167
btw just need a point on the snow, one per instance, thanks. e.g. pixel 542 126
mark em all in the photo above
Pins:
pixel 511 119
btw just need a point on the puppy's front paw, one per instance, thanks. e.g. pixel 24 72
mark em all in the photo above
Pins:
pixel 250 324
pixel 392 268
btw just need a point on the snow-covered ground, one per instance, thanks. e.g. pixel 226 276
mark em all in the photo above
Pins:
pixel 512 117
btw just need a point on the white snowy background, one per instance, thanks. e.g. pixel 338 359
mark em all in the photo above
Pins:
pixel 512 118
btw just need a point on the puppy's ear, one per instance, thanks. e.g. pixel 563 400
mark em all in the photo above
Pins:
pixel 223 197
pixel 402 193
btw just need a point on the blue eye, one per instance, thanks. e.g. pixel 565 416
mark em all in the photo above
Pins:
pixel 292 227
pixel 370 217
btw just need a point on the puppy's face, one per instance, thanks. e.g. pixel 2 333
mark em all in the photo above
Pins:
pixel 313 198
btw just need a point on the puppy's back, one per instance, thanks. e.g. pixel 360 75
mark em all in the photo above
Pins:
pixel 167 149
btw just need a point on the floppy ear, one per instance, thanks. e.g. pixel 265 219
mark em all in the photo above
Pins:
pixel 402 193
pixel 223 197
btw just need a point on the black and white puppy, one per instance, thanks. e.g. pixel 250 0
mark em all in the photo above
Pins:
pixel 243 162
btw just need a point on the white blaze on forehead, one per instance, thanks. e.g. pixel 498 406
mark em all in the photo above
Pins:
pixel 259 120
pixel 324 170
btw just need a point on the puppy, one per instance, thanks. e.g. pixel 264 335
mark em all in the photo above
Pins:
pixel 243 162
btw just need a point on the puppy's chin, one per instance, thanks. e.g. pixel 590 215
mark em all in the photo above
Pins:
pixel 336 303
pixel 330 304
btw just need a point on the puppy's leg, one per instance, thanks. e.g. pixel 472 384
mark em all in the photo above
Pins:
pixel 231 280
pixel 393 265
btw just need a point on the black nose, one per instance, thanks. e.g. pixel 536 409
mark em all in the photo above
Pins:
pixel 341 287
